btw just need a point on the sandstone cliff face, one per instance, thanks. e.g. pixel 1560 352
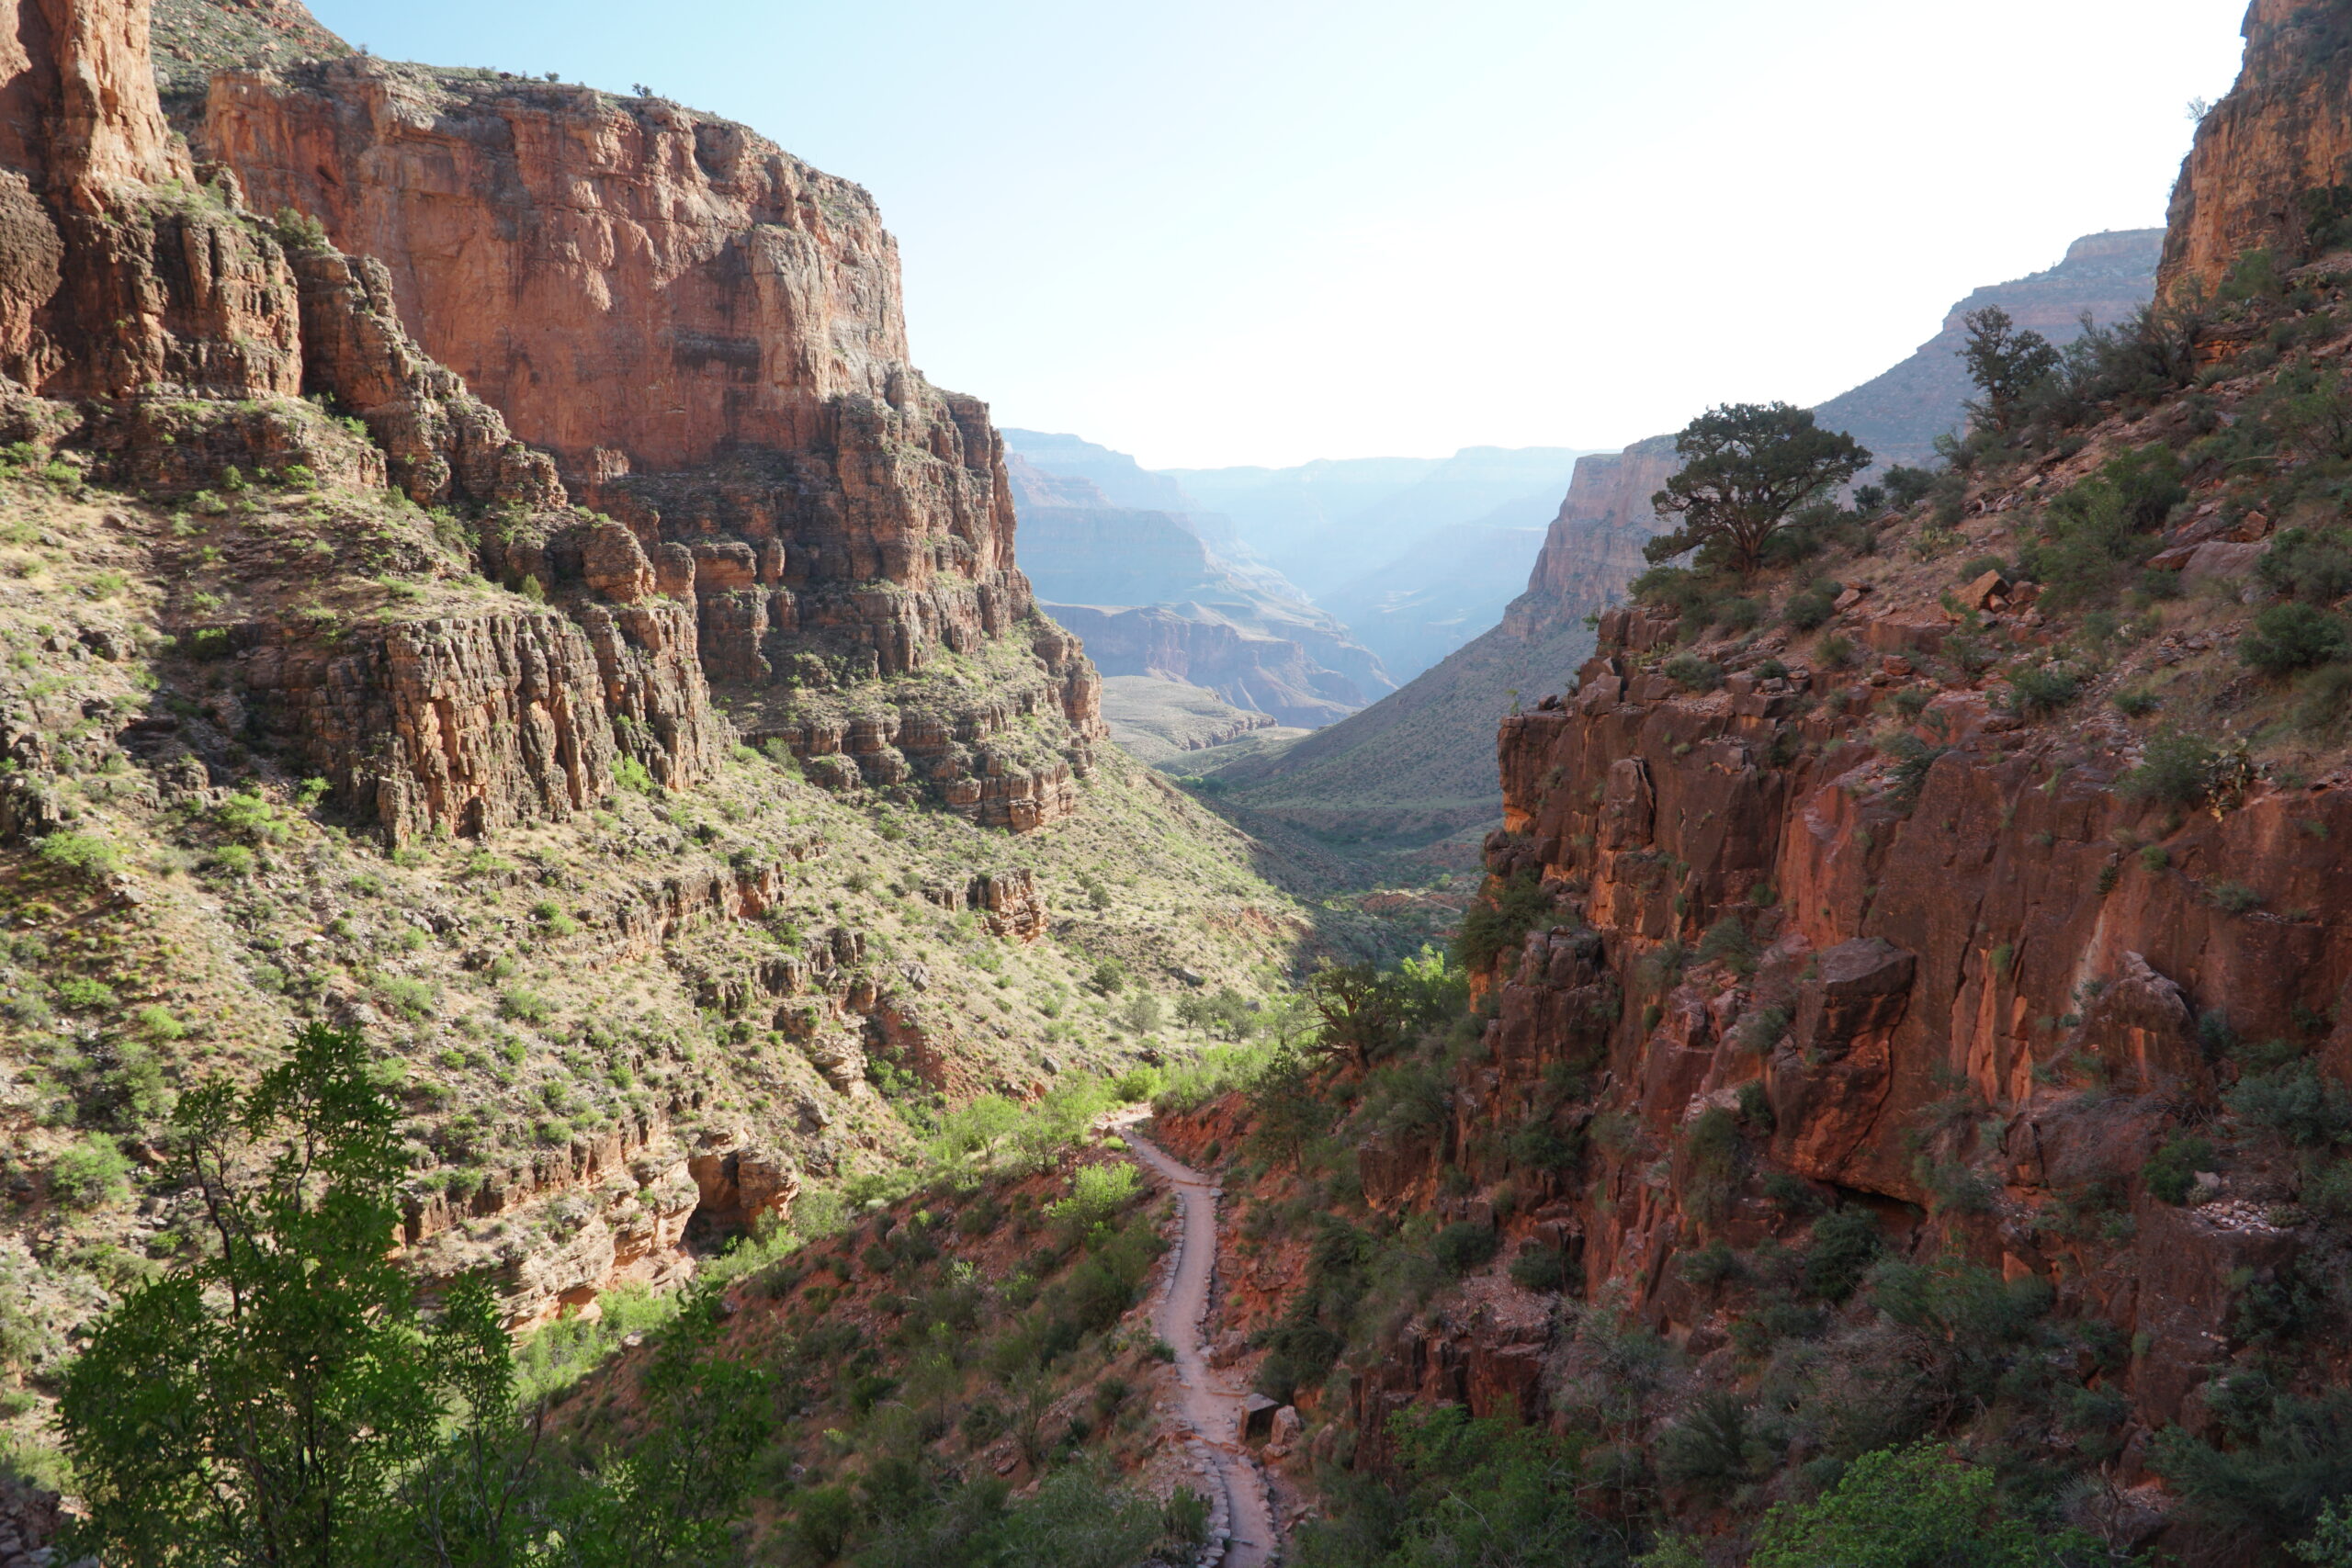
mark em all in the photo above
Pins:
pixel 2284 133
pixel 121 275
pixel 1594 547
pixel 706 333
pixel 1986 939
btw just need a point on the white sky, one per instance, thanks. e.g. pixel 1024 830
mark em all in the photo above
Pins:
pixel 1227 232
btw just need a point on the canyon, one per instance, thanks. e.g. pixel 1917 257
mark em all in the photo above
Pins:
pixel 482 572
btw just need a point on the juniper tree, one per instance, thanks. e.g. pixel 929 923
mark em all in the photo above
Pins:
pixel 1746 467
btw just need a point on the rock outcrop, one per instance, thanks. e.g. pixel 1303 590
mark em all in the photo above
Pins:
pixel 2269 163
pixel 1984 938
pixel 122 273
pixel 705 333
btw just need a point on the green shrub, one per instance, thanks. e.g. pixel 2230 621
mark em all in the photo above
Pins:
pixel 631 775
pixel 1540 1268
pixel 92 1173
pixel 2176 769
pixel 2294 635
pixel 2171 1172
pixel 1692 674
pixel 1500 922
pixel 2310 564
pixel 158 1024
pixel 248 815
pixel 2041 689
pixel 2296 1102
pixel 525 1007
pixel 79 993
pixel 1913 1509
pixel 1810 609
pixel 1463 1246
pixel 1845 1242
pixel 410 998
pixel 2136 703
pixel 85 855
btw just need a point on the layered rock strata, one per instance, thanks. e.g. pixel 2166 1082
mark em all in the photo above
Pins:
pixel 706 333
pixel 1984 938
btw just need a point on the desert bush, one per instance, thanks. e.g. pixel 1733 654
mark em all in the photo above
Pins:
pixel 2294 635
pixel 2171 1171
pixel 2176 769
pixel 91 1174
pixel 85 855
pixel 2310 564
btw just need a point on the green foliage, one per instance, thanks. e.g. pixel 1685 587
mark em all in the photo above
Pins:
pixel 2288 1458
pixel 1846 1243
pixel 1745 468
pixel 2294 635
pixel 1913 1509
pixel 2035 691
pixel 1810 609
pixel 1500 921
pixel 1542 1269
pixel 2313 565
pixel 2007 364
pixel 631 775
pixel 2296 1102
pixel 247 1408
pixel 1464 1246
pixel 283 1400
pixel 85 855
pixel 1692 672
pixel 249 816
pixel 2171 1172
pixel 2329 1545
pixel 91 1174
pixel 1465 1490
pixel 2177 768
pixel 2096 534
pixel 1098 1193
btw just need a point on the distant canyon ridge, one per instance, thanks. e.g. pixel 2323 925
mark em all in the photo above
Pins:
pixel 1368 622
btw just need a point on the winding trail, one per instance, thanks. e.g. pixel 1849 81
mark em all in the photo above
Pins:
pixel 1210 1404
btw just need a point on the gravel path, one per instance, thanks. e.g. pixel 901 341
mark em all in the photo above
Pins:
pixel 1207 1400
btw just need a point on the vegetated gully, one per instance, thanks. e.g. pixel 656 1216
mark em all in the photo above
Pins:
pixel 1209 1404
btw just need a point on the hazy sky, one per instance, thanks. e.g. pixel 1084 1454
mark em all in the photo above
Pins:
pixel 1265 230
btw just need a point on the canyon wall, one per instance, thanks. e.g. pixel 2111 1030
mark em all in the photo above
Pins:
pixel 2278 143
pixel 706 334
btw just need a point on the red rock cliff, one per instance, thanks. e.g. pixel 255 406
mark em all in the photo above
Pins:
pixel 1986 939
pixel 2284 131
pixel 707 335
pixel 117 274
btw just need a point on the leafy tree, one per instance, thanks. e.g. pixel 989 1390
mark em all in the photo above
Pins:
pixel 1746 467
pixel 1913 1509
pixel 1359 1011
pixel 254 1408
pixel 2005 364
pixel 285 1402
